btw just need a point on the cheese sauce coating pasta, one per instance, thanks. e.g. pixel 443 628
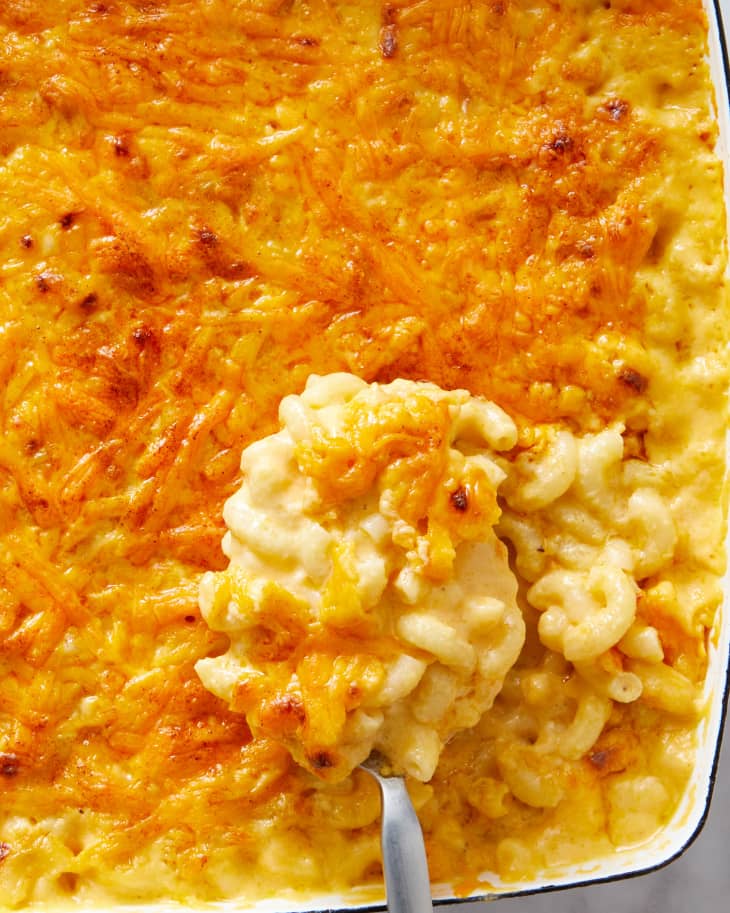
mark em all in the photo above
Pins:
pixel 368 602
pixel 204 203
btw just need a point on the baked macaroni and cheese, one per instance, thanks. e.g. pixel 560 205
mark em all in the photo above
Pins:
pixel 368 601
pixel 362 385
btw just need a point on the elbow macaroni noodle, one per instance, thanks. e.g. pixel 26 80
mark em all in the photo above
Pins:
pixel 588 527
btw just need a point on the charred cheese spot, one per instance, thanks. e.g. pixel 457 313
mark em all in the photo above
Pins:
pixel 616 108
pixel 322 760
pixel 633 379
pixel 388 41
pixel 9 765
pixel 89 302
pixel 460 499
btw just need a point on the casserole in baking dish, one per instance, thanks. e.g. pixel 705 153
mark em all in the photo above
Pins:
pixel 206 204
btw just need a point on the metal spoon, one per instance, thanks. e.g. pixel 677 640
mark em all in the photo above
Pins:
pixel 407 885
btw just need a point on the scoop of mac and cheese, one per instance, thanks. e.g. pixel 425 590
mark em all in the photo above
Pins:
pixel 368 602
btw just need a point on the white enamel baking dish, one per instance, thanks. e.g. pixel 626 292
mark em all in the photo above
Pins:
pixel 690 816
pixel 692 812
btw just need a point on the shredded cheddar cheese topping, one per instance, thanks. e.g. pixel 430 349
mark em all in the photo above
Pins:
pixel 205 202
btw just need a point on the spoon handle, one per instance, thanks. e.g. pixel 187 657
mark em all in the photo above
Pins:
pixel 407 884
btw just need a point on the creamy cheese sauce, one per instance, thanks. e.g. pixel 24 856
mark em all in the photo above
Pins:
pixel 403 615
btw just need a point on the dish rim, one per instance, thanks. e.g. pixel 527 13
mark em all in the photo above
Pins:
pixel 719 58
